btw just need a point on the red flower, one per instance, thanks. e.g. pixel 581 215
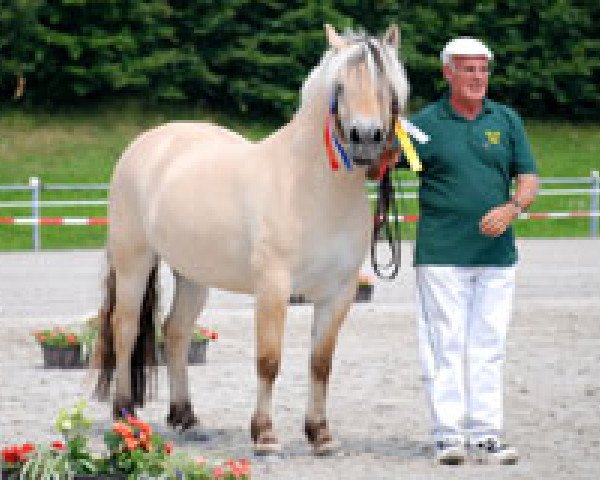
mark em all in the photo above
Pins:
pixel 71 338
pixel 238 468
pixel 27 447
pixel 244 465
pixel 123 429
pixel 58 445
pixel 214 335
pixel 168 448
pixel 131 443
pixel 218 473
pixel 42 338
pixel 10 454
pixel 17 453
pixel 142 426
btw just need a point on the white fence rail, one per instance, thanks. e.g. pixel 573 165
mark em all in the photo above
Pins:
pixel 551 186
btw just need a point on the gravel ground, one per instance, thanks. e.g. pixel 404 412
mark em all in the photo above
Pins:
pixel 376 402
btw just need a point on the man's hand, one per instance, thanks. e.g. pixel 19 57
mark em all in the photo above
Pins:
pixel 497 220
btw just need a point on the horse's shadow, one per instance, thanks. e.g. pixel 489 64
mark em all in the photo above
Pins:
pixel 236 441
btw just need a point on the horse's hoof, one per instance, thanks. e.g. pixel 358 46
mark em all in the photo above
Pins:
pixel 181 416
pixel 123 408
pixel 269 446
pixel 326 449
pixel 320 438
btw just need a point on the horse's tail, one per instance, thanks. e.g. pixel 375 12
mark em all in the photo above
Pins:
pixel 143 358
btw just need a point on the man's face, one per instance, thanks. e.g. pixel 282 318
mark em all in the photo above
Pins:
pixel 468 76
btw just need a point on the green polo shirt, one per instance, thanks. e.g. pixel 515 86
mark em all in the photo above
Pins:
pixel 467 170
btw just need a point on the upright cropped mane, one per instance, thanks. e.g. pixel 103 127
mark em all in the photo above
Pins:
pixel 360 48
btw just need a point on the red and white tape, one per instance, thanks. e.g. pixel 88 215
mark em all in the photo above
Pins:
pixel 402 218
pixel 53 221
pixel 523 216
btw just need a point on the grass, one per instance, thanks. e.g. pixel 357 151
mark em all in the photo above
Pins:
pixel 82 147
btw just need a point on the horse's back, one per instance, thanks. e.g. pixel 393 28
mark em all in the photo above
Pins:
pixel 153 152
pixel 181 188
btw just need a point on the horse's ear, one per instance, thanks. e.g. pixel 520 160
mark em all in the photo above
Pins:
pixel 392 36
pixel 334 39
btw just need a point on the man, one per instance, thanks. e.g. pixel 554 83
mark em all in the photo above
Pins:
pixel 465 254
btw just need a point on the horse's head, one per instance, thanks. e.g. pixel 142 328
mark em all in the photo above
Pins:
pixel 368 89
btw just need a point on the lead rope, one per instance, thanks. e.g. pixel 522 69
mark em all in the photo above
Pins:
pixel 386 202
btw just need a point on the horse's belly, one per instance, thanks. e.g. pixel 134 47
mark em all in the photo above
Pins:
pixel 210 262
pixel 321 274
pixel 204 241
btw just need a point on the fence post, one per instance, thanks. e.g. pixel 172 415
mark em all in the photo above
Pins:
pixel 35 184
pixel 595 203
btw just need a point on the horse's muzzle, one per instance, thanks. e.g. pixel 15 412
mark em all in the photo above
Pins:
pixel 365 139
pixel 365 154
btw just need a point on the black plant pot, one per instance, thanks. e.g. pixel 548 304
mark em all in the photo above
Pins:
pixel 62 357
pixel 9 474
pixel 364 293
pixel 100 477
pixel 196 353
pixel 297 299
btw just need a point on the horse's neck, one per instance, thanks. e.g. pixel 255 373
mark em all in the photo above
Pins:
pixel 306 157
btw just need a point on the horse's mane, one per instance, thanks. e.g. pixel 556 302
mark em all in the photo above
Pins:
pixel 360 48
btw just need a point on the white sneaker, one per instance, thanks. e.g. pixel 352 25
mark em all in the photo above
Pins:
pixel 450 452
pixel 492 451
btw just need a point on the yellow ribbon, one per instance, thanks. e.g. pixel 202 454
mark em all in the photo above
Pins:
pixel 408 149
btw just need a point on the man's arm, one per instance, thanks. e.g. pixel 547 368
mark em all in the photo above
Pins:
pixel 497 220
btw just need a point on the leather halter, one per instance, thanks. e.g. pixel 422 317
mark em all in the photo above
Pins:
pixel 389 155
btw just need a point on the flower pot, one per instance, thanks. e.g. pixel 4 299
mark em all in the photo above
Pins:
pixel 297 299
pixel 62 357
pixel 102 476
pixel 364 292
pixel 11 474
pixel 196 353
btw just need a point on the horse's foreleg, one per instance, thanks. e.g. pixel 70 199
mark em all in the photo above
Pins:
pixel 188 302
pixel 328 318
pixel 271 306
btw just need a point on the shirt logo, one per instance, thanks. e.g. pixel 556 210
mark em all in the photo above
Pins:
pixel 492 137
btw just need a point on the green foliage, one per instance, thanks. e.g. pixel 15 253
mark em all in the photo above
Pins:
pixel 249 56
pixel 63 460
pixel 546 52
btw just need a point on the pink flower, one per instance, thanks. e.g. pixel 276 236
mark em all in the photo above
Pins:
pixel 218 473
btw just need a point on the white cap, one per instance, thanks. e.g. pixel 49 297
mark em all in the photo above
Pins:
pixel 465 46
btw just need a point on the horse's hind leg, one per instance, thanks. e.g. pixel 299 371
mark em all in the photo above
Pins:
pixel 187 304
pixel 271 306
pixel 135 301
pixel 328 317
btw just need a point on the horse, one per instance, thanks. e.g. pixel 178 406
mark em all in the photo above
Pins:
pixel 268 218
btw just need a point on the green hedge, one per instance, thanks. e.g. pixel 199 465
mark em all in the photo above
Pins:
pixel 252 55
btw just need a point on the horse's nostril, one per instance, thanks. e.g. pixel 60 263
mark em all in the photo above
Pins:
pixel 377 135
pixel 354 136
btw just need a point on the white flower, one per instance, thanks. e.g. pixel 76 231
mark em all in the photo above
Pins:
pixel 65 425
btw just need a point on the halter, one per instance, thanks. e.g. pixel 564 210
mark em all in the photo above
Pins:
pixel 396 133
pixel 332 144
pixel 386 198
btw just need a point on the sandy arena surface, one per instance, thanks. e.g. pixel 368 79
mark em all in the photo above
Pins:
pixel 376 402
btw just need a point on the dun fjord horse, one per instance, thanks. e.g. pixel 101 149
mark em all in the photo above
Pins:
pixel 267 218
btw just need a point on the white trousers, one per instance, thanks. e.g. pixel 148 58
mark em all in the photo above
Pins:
pixel 463 315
